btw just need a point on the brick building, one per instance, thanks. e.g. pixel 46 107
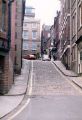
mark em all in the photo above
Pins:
pixel 45 39
pixel 6 64
pixel 56 39
pixel 7 43
pixel 64 33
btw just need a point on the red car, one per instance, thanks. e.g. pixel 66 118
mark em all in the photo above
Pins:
pixel 30 57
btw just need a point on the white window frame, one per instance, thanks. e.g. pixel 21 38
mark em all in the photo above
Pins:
pixel 34 36
pixel 74 24
pixel 34 46
pixel 25 36
pixel 80 11
pixel 25 45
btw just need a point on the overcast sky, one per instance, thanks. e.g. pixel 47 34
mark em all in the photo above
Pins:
pixel 45 9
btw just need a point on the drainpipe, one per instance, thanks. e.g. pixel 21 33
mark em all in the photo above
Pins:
pixel 70 37
pixel 76 39
pixel 9 22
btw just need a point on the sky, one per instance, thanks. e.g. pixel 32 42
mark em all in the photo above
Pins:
pixel 45 10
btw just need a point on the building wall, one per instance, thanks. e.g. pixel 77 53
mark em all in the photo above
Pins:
pixel 45 39
pixel 18 35
pixel 56 35
pixel 5 16
pixel 31 45
pixel 74 34
pixel 6 63
pixel 79 36
pixel 72 26
pixel 64 34
pixel 13 21
pixel 30 40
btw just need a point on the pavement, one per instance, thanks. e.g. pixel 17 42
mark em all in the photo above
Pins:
pixel 63 69
pixel 72 75
pixel 16 94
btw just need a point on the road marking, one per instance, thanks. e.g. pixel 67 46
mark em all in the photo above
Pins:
pixel 30 84
pixel 24 106
pixel 28 101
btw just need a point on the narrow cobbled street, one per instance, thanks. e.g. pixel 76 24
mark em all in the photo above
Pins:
pixel 52 96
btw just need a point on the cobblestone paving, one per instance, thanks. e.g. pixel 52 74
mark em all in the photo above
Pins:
pixel 48 81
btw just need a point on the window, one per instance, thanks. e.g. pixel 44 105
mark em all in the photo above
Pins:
pixel 25 25
pixel 15 34
pixel 74 24
pixel 80 10
pixel 34 25
pixel 73 53
pixel 29 10
pixel 25 34
pixel 34 46
pixel 3 15
pixel 34 34
pixel 25 45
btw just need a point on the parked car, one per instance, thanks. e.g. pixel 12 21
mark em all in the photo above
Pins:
pixel 30 57
pixel 45 57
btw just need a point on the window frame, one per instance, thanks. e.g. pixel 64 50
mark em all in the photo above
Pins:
pixel 34 36
pixel 34 46
pixel 3 16
pixel 25 36
pixel 80 13
pixel 25 45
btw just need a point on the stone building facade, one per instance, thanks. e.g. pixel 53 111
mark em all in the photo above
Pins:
pixel 76 36
pixel 71 35
pixel 31 33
